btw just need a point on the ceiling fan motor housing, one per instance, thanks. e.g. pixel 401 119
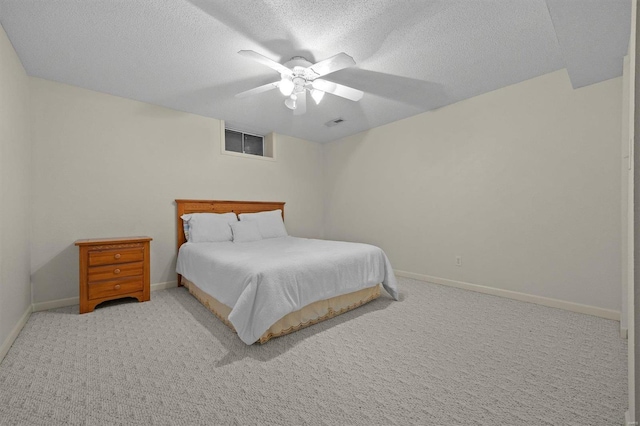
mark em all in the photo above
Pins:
pixel 297 62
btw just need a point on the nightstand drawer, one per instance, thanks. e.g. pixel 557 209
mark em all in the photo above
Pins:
pixel 108 257
pixel 109 272
pixel 115 287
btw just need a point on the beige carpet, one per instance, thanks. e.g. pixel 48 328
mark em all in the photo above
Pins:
pixel 440 356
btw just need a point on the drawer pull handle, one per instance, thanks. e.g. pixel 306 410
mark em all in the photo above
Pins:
pixel 117 287
pixel 117 271
pixel 117 256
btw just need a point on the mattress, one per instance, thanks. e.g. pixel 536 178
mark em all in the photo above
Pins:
pixel 265 280
pixel 309 315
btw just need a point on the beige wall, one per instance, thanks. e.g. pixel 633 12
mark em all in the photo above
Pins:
pixel 522 182
pixel 105 166
pixel 15 166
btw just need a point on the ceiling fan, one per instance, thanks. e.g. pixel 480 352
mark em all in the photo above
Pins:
pixel 299 76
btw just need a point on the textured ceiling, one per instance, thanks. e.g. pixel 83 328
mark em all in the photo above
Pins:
pixel 411 56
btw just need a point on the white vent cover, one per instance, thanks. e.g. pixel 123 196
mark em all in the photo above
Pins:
pixel 334 122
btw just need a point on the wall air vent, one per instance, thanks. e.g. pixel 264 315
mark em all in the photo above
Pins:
pixel 334 122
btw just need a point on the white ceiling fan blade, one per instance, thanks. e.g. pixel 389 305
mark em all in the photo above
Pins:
pixel 301 103
pixel 338 89
pixel 259 89
pixel 334 63
pixel 265 61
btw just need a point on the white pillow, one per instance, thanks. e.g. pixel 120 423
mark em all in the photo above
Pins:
pixel 245 232
pixel 209 227
pixel 270 223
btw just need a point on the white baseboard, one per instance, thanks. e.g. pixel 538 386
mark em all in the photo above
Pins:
pixel 624 333
pixel 523 297
pixel 6 345
pixel 55 304
pixel 62 303
pixel 163 286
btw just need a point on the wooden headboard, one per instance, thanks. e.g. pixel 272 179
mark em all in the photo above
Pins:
pixel 218 206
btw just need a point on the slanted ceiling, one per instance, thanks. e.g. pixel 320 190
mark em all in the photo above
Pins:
pixel 412 56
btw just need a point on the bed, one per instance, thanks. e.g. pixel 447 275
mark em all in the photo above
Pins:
pixel 274 286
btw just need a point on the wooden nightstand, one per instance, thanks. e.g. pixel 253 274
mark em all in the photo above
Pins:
pixel 112 268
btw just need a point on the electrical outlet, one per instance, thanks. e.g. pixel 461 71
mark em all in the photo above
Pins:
pixel 458 260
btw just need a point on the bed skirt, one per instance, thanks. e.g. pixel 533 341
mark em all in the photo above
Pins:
pixel 294 321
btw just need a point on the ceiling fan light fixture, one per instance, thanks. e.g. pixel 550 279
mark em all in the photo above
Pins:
pixel 299 76
pixel 291 102
pixel 286 86
pixel 317 95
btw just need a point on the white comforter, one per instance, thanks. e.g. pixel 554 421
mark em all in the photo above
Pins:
pixel 263 281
